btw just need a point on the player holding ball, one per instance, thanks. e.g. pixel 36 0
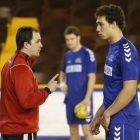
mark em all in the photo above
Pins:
pixel 77 79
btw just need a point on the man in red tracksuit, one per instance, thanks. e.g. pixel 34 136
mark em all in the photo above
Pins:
pixel 20 98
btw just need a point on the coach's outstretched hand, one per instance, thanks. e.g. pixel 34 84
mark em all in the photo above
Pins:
pixel 52 84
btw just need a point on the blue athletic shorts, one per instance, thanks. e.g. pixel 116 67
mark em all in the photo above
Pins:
pixel 72 119
pixel 122 132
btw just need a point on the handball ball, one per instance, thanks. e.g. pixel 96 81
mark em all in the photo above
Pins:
pixel 80 111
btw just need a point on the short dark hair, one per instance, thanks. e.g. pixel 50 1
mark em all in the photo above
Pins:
pixel 112 13
pixel 24 34
pixel 72 30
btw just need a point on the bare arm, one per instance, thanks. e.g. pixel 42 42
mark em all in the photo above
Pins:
pixel 125 96
pixel 95 124
pixel 62 77
pixel 100 111
pixel 90 87
pixel 63 81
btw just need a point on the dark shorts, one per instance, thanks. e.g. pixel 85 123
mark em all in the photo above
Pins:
pixel 27 136
pixel 72 119
pixel 122 132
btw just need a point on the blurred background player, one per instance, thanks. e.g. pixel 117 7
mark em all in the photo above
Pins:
pixel 119 113
pixel 77 79
pixel 20 98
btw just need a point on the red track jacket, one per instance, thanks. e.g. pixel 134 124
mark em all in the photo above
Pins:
pixel 20 99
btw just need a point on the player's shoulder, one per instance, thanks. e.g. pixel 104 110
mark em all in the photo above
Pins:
pixel 69 52
pixel 89 53
pixel 68 55
pixel 127 50
pixel 87 50
pixel 126 46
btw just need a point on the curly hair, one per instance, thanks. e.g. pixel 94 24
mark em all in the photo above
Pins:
pixel 112 13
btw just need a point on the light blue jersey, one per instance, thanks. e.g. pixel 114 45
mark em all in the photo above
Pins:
pixel 122 64
pixel 77 66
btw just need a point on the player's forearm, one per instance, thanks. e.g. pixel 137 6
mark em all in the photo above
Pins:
pixel 62 77
pixel 90 85
pixel 123 99
pixel 100 111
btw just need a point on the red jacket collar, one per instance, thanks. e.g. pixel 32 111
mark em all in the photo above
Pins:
pixel 29 59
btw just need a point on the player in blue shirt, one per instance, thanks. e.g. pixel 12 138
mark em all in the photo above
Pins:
pixel 77 79
pixel 119 114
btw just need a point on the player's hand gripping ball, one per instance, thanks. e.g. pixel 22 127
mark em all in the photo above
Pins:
pixel 80 111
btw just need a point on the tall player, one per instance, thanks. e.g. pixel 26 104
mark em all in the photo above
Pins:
pixel 119 114
pixel 77 79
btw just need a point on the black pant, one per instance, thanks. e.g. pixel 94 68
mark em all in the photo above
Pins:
pixel 27 136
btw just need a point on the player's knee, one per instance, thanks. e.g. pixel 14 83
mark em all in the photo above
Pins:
pixel 86 130
pixel 73 129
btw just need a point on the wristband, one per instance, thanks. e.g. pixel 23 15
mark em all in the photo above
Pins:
pixel 62 84
pixel 88 109
pixel 48 90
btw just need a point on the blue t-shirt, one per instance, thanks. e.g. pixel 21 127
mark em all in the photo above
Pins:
pixel 77 66
pixel 122 64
